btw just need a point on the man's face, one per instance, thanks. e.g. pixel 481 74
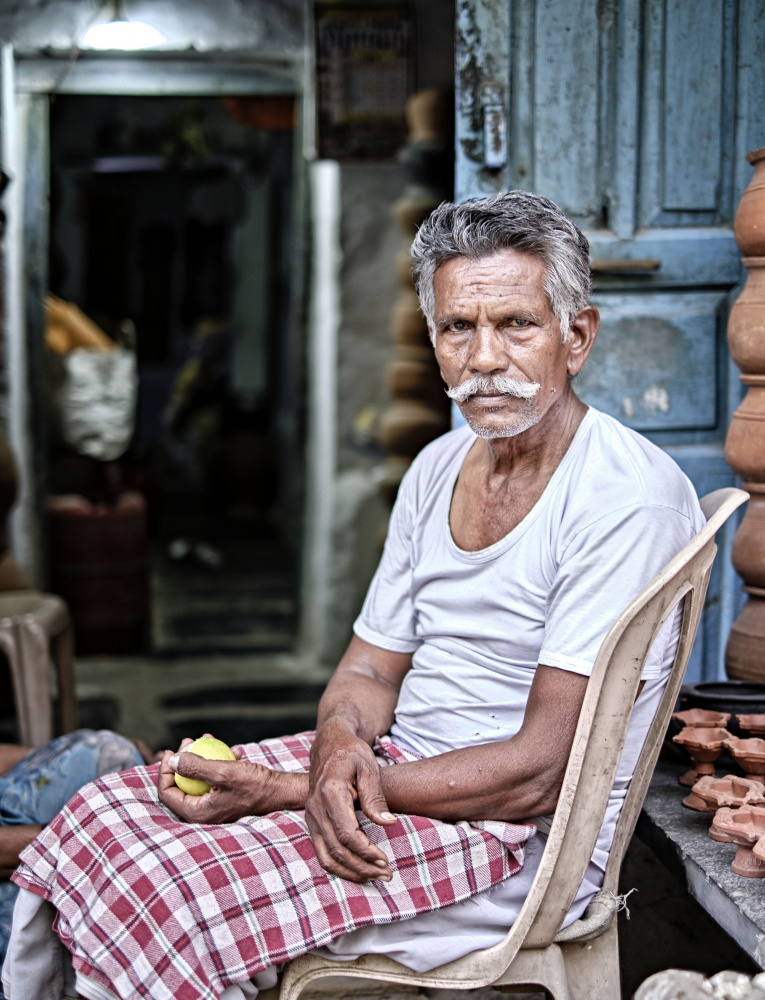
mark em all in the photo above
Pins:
pixel 493 318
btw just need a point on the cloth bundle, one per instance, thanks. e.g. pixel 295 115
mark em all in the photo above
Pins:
pixel 154 907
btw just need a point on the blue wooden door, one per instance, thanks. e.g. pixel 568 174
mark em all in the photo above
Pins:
pixel 635 117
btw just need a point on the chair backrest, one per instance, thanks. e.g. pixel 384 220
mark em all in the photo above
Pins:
pixel 602 728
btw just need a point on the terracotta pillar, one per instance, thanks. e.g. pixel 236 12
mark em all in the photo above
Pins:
pixel 745 444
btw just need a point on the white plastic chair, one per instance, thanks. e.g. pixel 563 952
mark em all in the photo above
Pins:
pixel 35 628
pixel 581 962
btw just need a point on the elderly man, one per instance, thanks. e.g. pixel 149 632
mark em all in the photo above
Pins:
pixel 514 544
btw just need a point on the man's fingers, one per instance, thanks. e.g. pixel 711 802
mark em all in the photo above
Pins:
pixel 338 860
pixel 371 798
pixel 191 765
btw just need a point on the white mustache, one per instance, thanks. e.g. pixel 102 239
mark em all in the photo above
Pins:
pixel 498 384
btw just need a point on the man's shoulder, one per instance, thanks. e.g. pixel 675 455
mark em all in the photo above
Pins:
pixel 619 468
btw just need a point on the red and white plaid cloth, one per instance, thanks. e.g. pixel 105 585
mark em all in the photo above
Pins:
pixel 154 907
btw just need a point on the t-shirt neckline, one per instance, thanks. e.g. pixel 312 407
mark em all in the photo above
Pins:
pixel 515 534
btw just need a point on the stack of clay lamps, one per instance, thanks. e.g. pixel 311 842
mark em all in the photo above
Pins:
pixel 699 718
pixel 704 746
pixel 754 724
pixel 745 827
pixel 745 443
pixel 710 794
pixel 420 409
pixel 749 755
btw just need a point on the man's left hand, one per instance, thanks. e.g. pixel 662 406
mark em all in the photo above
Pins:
pixel 344 770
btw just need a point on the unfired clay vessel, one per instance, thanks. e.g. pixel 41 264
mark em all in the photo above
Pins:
pixel 702 718
pixel 754 724
pixel 748 550
pixel 710 794
pixel 749 754
pixel 746 323
pixel 749 227
pixel 744 827
pixel 704 747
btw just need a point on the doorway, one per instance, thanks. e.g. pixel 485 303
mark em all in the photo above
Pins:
pixel 172 227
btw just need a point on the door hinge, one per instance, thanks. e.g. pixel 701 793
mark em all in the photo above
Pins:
pixel 494 126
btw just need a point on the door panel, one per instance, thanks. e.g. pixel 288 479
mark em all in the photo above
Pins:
pixel 635 116
pixel 654 361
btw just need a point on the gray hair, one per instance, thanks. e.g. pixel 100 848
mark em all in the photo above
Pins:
pixel 516 220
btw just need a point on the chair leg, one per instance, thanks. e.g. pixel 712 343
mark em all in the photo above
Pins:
pixel 592 968
pixel 8 646
pixel 539 967
pixel 32 651
pixel 62 651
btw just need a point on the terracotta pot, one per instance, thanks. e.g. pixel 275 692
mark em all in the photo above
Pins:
pixel 428 114
pixel 411 210
pixel 404 267
pixel 409 425
pixel 745 827
pixel 746 324
pixel 749 227
pixel 743 655
pixel 416 380
pixel 748 552
pixel 745 443
pixel 407 322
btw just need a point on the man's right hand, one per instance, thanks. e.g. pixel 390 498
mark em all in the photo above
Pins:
pixel 344 771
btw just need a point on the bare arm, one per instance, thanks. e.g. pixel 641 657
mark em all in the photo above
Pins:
pixel 513 780
pixel 13 840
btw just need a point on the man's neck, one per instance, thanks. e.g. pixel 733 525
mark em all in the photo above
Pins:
pixel 537 449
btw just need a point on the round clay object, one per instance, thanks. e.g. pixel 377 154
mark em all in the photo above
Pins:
pixel 748 552
pixel 409 425
pixel 746 323
pixel 745 443
pixel 743 654
pixel 749 226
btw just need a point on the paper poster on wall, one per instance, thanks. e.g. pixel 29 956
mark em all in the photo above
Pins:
pixel 364 74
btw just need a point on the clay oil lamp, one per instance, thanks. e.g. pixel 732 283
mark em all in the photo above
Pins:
pixel 749 754
pixel 754 724
pixel 710 794
pixel 744 827
pixel 704 746
pixel 702 718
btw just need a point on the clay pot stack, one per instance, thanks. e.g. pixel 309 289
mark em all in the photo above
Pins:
pixel 745 444
pixel 736 802
pixel 419 410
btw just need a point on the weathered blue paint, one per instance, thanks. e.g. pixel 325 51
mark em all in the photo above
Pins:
pixel 635 116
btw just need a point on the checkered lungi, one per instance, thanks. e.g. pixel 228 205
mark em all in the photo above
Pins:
pixel 154 907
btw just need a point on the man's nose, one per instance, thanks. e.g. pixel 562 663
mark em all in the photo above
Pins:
pixel 488 351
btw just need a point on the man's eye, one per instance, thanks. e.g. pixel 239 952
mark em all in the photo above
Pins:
pixel 516 323
pixel 458 326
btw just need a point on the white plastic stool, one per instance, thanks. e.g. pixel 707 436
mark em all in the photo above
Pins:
pixel 35 628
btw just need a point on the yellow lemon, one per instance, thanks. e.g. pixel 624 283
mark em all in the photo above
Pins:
pixel 210 749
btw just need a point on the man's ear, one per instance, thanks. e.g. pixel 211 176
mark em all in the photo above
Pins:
pixel 583 329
